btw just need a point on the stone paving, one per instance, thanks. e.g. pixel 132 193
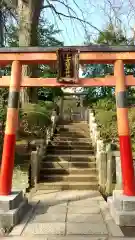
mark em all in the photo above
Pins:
pixel 67 215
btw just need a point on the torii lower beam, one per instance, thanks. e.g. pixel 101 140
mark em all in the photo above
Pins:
pixel 83 82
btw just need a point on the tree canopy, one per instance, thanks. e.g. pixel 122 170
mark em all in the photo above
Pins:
pixel 109 36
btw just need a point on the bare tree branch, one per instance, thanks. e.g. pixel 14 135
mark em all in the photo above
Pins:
pixel 10 8
pixel 54 16
pixel 12 4
pixel 71 10
pixel 71 16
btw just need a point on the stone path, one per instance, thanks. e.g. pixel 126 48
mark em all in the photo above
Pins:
pixel 67 215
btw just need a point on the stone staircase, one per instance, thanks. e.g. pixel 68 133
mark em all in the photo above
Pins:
pixel 70 162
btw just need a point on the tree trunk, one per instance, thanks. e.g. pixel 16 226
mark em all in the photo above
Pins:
pixel 29 13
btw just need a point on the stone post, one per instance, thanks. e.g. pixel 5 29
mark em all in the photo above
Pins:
pixel 61 107
pixel 102 169
pixel 82 109
pixel 118 173
pixel 94 131
pixel 101 163
pixel 109 169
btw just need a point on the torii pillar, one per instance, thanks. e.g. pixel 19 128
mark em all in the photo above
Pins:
pixel 128 179
pixel 10 130
pixel 122 203
pixel 13 205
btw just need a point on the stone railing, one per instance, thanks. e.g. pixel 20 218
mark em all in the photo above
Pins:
pixel 36 150
pixel 107 159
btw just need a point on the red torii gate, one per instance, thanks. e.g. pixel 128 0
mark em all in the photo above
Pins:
pixel 87 55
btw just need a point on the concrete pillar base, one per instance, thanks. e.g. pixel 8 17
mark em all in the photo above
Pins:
pixel 122 208
pixel 12 209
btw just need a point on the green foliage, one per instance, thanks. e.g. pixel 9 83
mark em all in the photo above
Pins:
pixel 95 94
pixel 98 70
pixel 2 114
pixel 35 118
pixel 102 99
pixel 48 105
pixel 106 118
pixel 105 104
pixel 3 103
pixel 107 125
pixel 112 36
pixel 47 34
pixel 49 93
pixel 105 113
pixel 109 36
pixel 12 37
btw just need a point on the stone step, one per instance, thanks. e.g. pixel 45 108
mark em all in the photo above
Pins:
pixel 68 178
pixel 56 151
pixel 70 157
pixel 67 146
pixel 56 158
pixel 72 143
pixel 66 130
pixel 71 139
pixel 84 158
pixel 69 122
pixel 72 136
pixel 79 122
pixel 82 164
pixel 65 164
pixel 71 130
pixel 58 147
pixel 55 164
pixel 72 124
pixel 65 123
pixel 69 151
pixel 77 134
pixel 75 171
pixel 68 186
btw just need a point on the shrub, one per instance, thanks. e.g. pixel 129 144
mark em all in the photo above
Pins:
pixel 49 105
pixel 107 124
pixel 105 114
pixel 107 104
pixel 35 118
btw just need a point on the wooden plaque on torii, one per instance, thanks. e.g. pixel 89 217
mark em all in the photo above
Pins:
pixel 68 65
